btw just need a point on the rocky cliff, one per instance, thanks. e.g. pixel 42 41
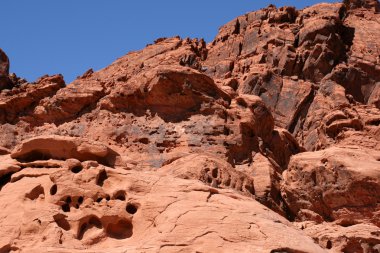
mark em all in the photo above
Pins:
pixel 267 139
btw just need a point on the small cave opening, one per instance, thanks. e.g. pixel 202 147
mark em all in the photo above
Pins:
pixel 66 208
pixel 329 245
pixel 53 189
pixel 131 208
pixel 61 221
pixel 35 192
pixel 374 122
pixel 77 169
pixel 121 230
pixel 93 222
pixel 5 179
pixel 214 172
pixel 102 176
pixel 35 155
pixel 120 195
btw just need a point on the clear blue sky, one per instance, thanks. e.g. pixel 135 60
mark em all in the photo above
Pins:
pixel 71 36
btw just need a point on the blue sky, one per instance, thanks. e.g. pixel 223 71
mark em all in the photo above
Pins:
pixel 70 36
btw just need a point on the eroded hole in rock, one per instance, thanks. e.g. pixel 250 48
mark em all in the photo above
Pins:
pixel 80 200
pixel 77 169
pixel 375 122
pixel 121 230
pixel 61 221
pixel 82 230
pixel 53 189
pixel 214 173
pixel 102 176
pixel 35 156
pixel 226 131
pixel 108 198
pixel 5 179
pixel 313 177
pixel 99 200
pixel 66 208
pixel 35 192
pixel 228 181
pixel 329 245
pixel 144 140
pixel 120 195
pixel 284 250
pixel 242 102
pixel 131 208
pixel 93 222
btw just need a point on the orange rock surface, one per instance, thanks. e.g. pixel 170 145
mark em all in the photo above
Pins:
pixel 267 139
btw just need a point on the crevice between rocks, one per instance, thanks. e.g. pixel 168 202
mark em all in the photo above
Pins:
pixel 302 112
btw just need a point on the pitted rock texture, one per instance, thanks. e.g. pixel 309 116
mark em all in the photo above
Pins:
pixel 267 139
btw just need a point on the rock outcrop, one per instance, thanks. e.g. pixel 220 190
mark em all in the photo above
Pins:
pixel 4 71
pixel 266 139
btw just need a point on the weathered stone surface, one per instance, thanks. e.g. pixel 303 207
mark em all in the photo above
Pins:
pixel 100 208
pixel 63 147
pixel 344 236
pixel 267 139
pixel 211 171
pixel 20 101
pixel 171 92
pixel 4 71
pixel 336 183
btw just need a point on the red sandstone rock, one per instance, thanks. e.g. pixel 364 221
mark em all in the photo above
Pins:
pixel 4 71
pixel 335 183
pixel 265 140
pixel 21 100
pixel 62 147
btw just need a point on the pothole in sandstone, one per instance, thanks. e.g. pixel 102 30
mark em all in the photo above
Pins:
pixel 77 169
pixel 102 176
pixel 123 229
pixel 131 208
pixel 120 195
pixel 35 193
pixel 53 189
pixel 89 227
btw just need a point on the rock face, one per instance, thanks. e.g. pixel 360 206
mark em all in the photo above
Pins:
pixel 4 70
pixel 267 139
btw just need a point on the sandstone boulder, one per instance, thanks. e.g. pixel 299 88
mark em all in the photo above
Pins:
pixel 171 92
pixel 62 148
pixel 344 236
pixel 23 99
pixel 336 183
